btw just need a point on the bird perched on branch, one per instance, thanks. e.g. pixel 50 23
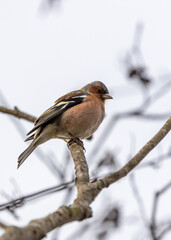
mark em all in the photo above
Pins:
pixel 74 116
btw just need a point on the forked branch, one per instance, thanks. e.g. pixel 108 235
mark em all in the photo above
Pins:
pixel 87 192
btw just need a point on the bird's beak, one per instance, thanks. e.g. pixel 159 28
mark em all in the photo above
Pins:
pixel 107 96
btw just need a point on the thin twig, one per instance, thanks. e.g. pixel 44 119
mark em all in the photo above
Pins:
pixel 166 230
pixel 155 162
pixel 11 205
pixel 138 199
pixel 155 208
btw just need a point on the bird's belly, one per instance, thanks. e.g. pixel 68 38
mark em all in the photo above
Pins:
pixel 81 123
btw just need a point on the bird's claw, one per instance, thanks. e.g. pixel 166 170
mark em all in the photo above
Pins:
pixel 76 140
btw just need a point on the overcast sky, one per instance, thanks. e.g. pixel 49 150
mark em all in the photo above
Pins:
pixel 45 53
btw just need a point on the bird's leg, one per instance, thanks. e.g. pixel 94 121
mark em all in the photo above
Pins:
pixel 75 140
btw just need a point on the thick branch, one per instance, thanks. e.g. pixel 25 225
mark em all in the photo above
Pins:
pixel 2 225
pixel 81 167
pixel 17 113
pixel 87 192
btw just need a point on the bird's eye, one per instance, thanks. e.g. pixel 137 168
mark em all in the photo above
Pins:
pixel 99 91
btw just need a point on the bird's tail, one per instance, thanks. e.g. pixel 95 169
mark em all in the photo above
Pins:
pixel 26 153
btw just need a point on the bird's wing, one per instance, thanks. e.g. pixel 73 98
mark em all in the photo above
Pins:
pixel 60 106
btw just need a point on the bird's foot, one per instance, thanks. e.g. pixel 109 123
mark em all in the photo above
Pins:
pixel 76 140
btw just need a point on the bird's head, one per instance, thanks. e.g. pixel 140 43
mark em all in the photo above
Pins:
pixel 98 88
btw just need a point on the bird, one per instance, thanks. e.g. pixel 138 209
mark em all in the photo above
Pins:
pixel 73 117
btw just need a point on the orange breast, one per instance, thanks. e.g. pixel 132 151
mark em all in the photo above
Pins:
pixel 83 120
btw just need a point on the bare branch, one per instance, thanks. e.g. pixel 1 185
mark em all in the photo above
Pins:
pixel 138 199
pixel 155 162
pixel 165 231
pixel 154 212
pixel 79 210
pixel 3 225
pixel 12 205
pixel 17 113
pixel 81 167
pixel 87 192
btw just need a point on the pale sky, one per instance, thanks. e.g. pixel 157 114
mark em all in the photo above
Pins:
pixel 44 55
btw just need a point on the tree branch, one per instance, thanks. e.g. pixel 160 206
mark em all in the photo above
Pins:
pixel 79 210
pixel 153 226
pixel 87 192
pixel 3 225
pixel 18 202
pixel 81 167
pixel 17 113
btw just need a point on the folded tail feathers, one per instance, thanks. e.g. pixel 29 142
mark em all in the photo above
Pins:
pixel 29 138
pixel 25 154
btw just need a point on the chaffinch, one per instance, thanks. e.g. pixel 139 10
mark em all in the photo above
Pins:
pixel 76 115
